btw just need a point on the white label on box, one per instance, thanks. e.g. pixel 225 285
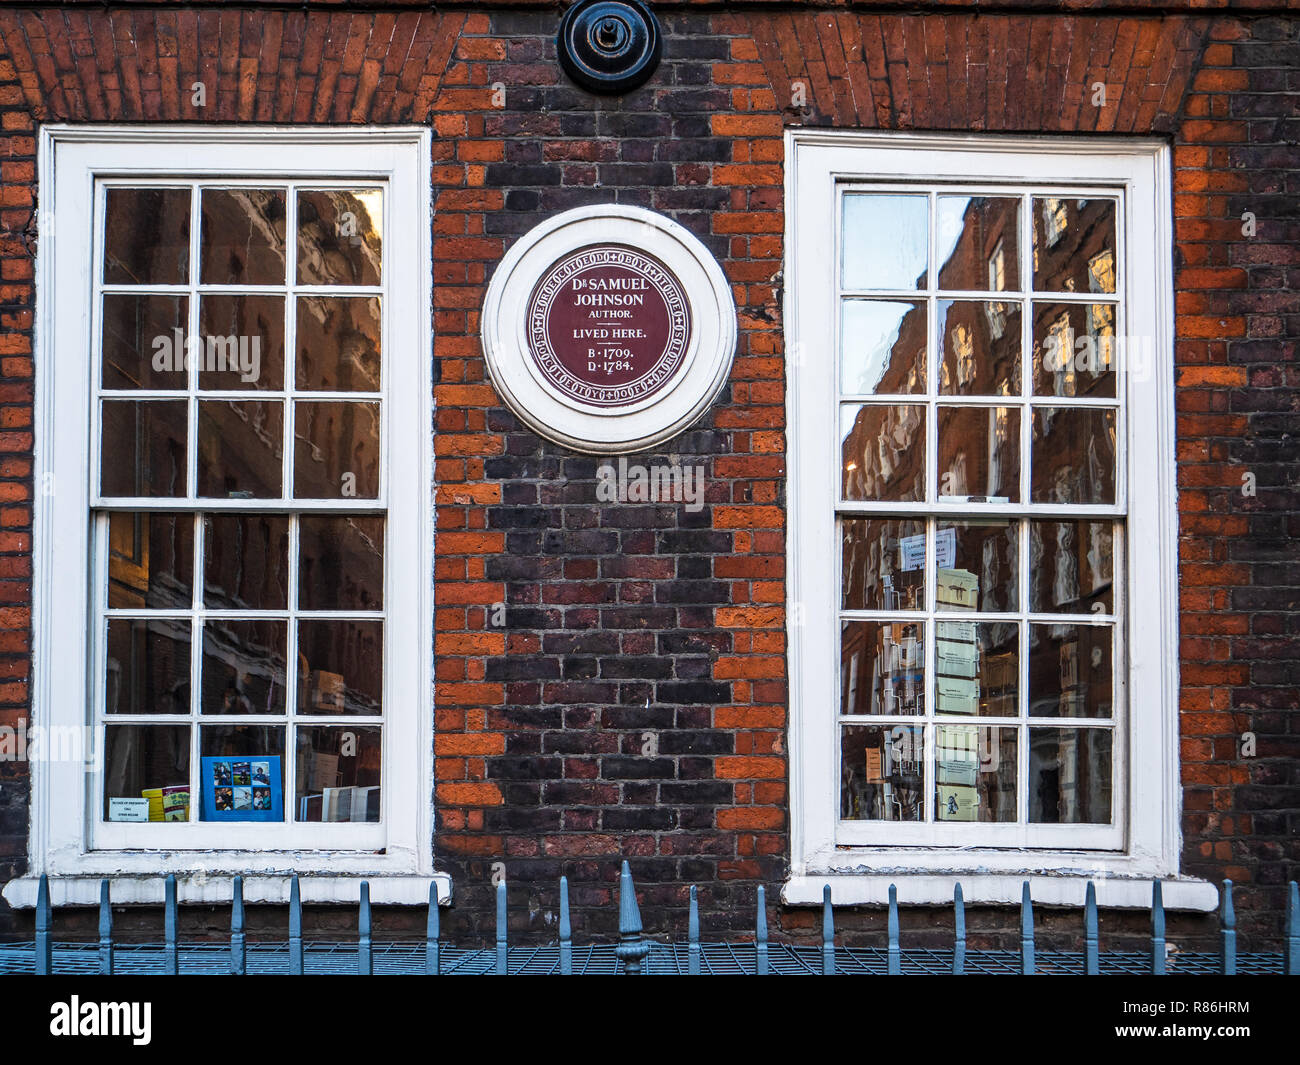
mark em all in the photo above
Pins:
pixel 956 659
pixel 128 809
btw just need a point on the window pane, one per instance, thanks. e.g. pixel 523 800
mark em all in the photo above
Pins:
pixel 1071 566
pixel 144 341
pixel 882 668
pixel 243 342
pixel 883 347
pixel 250 786
pixel 338 773
pixel 150 560
pixel 246 561
pixel 240 449
pixel 975 779
pixel 881 774
pixel 883 564
pixel 1070 776
pixel 977 668
pixel 1075 350
pixel 1074 245
pixel 979 453
pixel 338 343
pixel 885 241
pixel 340 237
pixel 243 666
pixel 1070 670
pixel 977 566
pixel 146 236
pixel 148 667
pixel 142 450
pixel 340 667
pixel 1073 455
pixel 242 237
pixel 337 450
pixel 978 243
pixel 340 563
pixel 883 449
pixel 979 348
pixel 146 762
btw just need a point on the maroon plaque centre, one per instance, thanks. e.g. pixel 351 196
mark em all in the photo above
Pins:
pixel 608 325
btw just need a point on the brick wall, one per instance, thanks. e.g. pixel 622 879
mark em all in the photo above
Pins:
pixel 628 622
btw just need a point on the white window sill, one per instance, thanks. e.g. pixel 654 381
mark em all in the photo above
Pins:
pixel 209 889
pixel 936 889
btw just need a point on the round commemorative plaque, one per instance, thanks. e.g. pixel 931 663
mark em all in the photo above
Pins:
pixel 609 329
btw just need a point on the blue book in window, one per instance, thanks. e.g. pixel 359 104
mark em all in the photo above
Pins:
pixel 242 788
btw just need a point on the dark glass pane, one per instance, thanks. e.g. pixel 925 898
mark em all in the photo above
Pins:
pixel 147 236
pixel 975 777
pixel 883 564
pixel 1070 776
pixel 148 667
pixel 147 762
pixel 337 451
pixel 339 773
pixel 246 561
pixel 243 666
pixel 1074 245
pixel 1073 455
pixel 979 348
pixel 150 560
pixel 340 237
pixel 340 563
pixel 242 237
pixel 978 563
pixel 338 343
pixel 882 668
pixel 883 452
pixel 240 449
pixel 977 668
pixel 881 773
pixel 978 243
pixel 142 450
pixel 1075 350
pixel 144 341
pixel 882 347
pixel 1071 567
pixel 340 667
pixel 979 453
pixel 1070 670
pixel 243 342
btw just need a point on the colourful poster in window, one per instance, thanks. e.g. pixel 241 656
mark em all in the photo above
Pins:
pixel 242 788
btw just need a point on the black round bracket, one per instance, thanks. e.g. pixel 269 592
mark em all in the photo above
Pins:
pixel 609 46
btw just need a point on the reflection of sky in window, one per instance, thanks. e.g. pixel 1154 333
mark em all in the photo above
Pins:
pixel 870 330
pixel 885 240
pixel 951 215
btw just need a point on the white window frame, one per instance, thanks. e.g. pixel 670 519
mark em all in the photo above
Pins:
pixel 991 868
pixel 65 840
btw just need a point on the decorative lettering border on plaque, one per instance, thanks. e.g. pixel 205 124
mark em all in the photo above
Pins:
pixel 609 329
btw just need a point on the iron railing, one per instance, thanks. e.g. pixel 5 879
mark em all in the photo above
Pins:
pixel 634 953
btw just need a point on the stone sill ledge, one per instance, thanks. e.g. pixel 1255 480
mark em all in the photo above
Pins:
pixel 385 890
pixel 983 889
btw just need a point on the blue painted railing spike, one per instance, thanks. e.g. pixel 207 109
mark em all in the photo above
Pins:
pixel 432 932
pixel 171 954
pixel 693 935
pixel 631 949
pixel 105 930
pixel 1026 931
pixel 1291 948
pixel 895 954
pixel 959 931
pixel 503 943
pixel 44 920
pixel 365 958
pixel 1229 933
pixel 238 955
pixel 1091 957
pixel 295 928
pixel 760 935
pixel 828 933
pixel 566 930
pixel 1158 955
